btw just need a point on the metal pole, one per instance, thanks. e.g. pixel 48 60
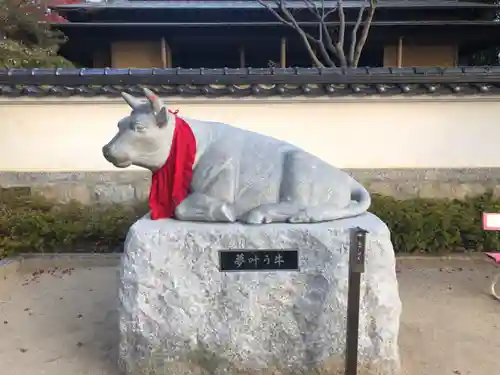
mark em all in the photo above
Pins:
pixel 357 249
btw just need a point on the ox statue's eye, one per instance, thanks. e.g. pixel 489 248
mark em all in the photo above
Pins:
pixel 139 128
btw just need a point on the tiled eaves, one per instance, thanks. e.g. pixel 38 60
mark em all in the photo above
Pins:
pixel 124 4
pixel 248 82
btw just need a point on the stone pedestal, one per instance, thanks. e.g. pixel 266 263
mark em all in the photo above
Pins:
pixel 180 315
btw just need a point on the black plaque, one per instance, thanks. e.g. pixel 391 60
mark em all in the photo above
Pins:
pixel 258 260
pixel 357 250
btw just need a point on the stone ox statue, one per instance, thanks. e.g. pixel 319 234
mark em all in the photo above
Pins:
pixel 234 174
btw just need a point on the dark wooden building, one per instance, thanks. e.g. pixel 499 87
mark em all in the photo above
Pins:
pixel 242 33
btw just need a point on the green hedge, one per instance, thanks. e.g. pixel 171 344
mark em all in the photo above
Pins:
pixel 437 226
pixel 33 224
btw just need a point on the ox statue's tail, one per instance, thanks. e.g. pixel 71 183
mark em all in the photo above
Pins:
pixel 360 202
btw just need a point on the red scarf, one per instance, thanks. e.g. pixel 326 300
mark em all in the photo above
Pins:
pixel 170 184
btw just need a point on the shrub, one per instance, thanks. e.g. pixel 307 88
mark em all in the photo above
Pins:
pixel 34 224
pixel 27 38
pixel 438 225
pixel 14 54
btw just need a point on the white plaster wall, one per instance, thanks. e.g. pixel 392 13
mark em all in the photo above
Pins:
pixel 67 135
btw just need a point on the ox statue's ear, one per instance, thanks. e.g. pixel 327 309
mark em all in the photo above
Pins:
pixel 154 100
pixel 133 102
pixel 162 117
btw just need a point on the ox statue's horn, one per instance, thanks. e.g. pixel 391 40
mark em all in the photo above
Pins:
pixel 131 101
pixel 155 101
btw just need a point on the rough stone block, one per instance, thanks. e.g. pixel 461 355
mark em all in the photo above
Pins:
pixel 16 191
pixel 141 190
pixel 107 193
pixel 180 314
pixel 65 192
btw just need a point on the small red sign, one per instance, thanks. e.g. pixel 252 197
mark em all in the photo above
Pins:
pixel 494 256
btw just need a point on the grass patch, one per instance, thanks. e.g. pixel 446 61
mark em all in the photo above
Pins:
pixel 434 226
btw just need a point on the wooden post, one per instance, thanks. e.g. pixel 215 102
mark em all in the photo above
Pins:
pixel 169 56
pixel 164 61
pixel 166 54
pixel 242 57
pixel 400 52
pixel 283 52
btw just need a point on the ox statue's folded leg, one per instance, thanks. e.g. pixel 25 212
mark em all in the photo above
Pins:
pixel 200 207
pixel 275 212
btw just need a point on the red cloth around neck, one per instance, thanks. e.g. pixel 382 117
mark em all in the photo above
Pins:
pixel 170 184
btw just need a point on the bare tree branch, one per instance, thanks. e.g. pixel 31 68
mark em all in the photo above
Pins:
pixel 319 42
pixel 327 48
pixel 364 33
pixel 322 48
pixel 340 41
pixel 323 33
pixel 311 5
pixel 334 50
pixel 354 34
pixel 291 22
pixel 300 30
pixel 325 37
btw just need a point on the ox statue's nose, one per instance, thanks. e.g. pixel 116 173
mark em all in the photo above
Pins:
pixel 106 151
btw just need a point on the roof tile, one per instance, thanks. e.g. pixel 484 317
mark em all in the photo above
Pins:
pixel 227 82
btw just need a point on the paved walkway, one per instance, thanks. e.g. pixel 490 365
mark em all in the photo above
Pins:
pixel 64 322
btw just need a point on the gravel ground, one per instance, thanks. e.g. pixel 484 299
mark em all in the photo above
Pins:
pixel 64 321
